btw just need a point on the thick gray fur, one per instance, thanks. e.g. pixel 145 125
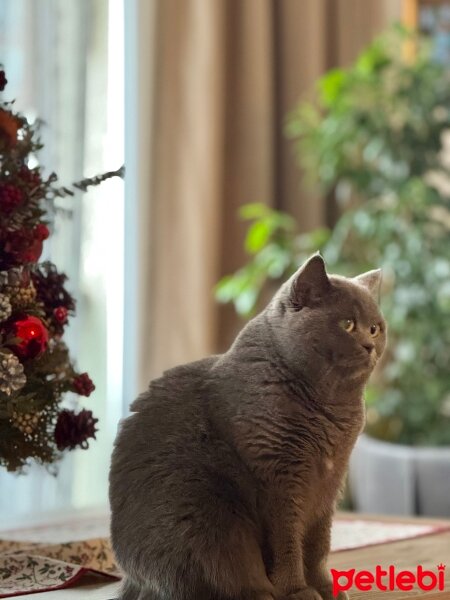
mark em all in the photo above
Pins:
pixel 224 479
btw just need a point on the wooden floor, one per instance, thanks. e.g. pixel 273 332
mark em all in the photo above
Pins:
pixel 428 551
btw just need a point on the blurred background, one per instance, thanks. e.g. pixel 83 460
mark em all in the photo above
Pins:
pixel 254 132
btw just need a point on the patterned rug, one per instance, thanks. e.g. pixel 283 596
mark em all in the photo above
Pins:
pixel 55 556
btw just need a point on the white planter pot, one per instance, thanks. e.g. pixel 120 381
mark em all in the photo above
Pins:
pixel 394 479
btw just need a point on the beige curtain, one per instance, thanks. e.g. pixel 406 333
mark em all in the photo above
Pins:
pixel 225 73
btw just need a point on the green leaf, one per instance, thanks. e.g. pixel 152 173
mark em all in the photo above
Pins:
pixel 256 210
pixel 372 136
pixel 372 59
pixel 330 86
pixel 257 236
pixel 246 301
pixel 227 288
pixel 281 220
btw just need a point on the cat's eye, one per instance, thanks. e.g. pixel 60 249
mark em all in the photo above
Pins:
pixel 375 329
pixel 348 324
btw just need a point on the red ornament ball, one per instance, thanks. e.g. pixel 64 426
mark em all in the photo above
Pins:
pixel 41 232
pixel 60 314
pixel 83 385
pixel 32 334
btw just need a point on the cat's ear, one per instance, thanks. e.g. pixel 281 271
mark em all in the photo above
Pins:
pixel 372 282
pixel 310 283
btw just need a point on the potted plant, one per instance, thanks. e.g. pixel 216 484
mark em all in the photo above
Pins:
pixel 375 135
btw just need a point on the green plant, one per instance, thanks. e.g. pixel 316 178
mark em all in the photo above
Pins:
pixel 375 135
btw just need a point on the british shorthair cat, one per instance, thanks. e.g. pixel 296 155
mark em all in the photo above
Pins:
pixel 224 479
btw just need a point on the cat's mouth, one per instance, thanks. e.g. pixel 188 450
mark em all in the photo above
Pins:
pixel 360 369
pixel 373 359
pixel 364 363
pixel 368 362
pixel 356 361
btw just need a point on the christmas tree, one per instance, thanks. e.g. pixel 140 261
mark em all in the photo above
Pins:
pixel 36 370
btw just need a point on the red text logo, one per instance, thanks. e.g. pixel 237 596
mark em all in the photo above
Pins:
pixel 388 579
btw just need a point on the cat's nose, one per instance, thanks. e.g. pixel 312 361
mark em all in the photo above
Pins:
pixel 370 347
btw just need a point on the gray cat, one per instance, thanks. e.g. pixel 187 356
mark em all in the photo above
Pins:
pixel 224 481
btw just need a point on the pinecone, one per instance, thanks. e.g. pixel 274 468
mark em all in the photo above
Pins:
pixel 26 422
pixel 14 276
pixel 12 377
pixel 5 307
pixel 21 297
pixel 50 288
pixel 73 430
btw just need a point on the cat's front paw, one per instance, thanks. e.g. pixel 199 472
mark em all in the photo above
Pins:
pixel 307 593
pixel 327 594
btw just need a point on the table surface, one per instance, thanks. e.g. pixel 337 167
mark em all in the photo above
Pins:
pixel 428 551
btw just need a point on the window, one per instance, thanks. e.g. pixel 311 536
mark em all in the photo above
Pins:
pixel 64 64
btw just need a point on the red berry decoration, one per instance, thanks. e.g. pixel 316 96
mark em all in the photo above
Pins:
pixel 60 314
pixel 21 246
pixel 73 430
pixel 41 232
pixel 32 334
pixel 11 197
pixel 33 252
pixel 3 81
pixel 83 385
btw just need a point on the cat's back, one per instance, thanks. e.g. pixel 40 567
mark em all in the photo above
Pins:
pixel 158 446
pixel 171 471
pixel 170 410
